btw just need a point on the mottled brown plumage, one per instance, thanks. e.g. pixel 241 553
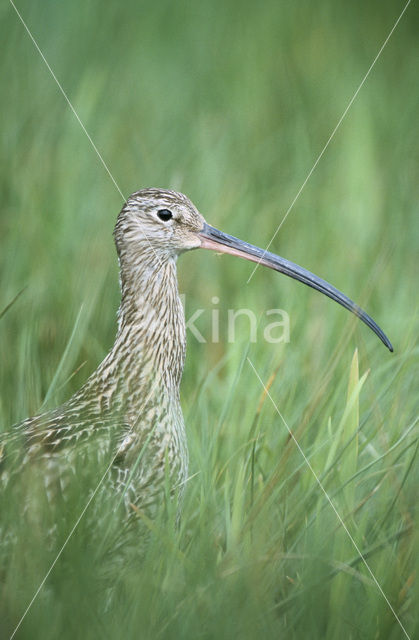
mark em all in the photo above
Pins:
pixel 127 416
pixel 129 407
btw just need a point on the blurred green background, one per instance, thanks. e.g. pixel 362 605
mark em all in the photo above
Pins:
pixel 230 102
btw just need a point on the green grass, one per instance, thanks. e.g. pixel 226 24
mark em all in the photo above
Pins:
pixel 231 103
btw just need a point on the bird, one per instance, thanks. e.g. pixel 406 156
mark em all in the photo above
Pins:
pixel 127 415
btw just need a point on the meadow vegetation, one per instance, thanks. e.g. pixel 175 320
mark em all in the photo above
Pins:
pixel 230 102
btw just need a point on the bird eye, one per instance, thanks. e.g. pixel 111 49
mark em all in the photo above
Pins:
pixel 165 214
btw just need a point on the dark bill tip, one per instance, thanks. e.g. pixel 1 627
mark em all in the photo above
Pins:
pixel 216 240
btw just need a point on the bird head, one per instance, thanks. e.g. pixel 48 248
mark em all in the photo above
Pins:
pixel 167 223
pixel 160 221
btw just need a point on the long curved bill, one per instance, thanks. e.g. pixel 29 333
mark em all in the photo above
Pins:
pixel 216 240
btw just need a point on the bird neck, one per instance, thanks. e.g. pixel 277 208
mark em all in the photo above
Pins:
pixel 151 323
pixel 148 354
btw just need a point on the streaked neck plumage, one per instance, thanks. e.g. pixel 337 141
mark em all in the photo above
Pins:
pixel 149 350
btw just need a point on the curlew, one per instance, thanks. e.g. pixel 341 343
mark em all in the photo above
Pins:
pixel 128 411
